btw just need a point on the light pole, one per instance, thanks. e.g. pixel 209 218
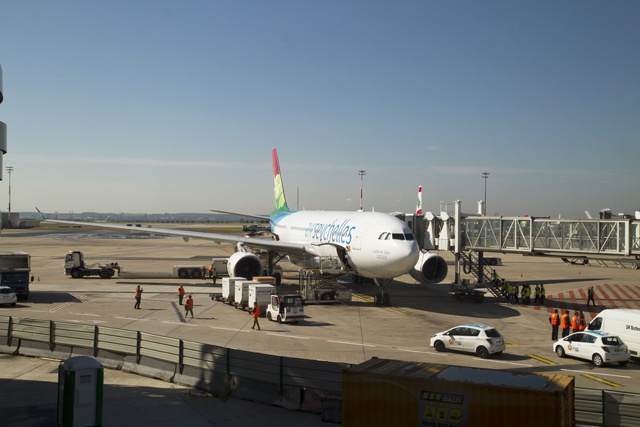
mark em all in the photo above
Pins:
pixel 361 173
pixel 9 171
pixel 485 175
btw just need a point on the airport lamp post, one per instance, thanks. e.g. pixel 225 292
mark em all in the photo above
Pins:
pixel 485 175
pixel 9 171
pixel 361 173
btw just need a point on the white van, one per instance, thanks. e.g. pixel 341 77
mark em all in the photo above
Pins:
pixel 622 322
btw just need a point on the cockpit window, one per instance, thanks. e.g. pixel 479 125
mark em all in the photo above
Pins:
pixel 395 236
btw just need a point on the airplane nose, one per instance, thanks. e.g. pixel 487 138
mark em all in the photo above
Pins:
pixel 406 259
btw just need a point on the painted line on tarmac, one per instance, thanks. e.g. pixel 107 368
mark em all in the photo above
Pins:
pixel 66 304
pixel 600 380
pixel 352 343
pixel 416 351
pixel 504 362
pixel 541 359
pixel 276 334
pixel 602 374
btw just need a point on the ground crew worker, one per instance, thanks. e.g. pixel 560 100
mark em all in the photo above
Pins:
pixel 554 319
pixel 536 295
pixel 565 323
pixel 214 275
pixel 516 293
pixel 590 296
pixel 210 271
pixel 575 325
pixel 256 314
pixel 582 323
pixel 188 307
pixel 180 294
pixel 543 294
pixel 138 297
pixel 203 273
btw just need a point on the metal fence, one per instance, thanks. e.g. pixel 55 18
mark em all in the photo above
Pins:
pixel 297 384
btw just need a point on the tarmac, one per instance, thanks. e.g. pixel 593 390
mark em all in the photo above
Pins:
pixel 342 333
pixel 29 390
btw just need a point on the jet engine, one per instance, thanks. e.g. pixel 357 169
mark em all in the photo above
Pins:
pixel 244 264
pixel 430 268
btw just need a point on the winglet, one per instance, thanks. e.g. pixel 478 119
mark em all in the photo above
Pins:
pixel 41 214
pixel 278 189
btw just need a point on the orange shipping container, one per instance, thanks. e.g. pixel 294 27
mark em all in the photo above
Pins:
pixel 383 392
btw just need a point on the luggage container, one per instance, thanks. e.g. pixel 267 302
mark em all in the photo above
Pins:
pixel 241 295
pixel 383 392
pixel 261 293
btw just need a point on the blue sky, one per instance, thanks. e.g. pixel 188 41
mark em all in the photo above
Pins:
pixel 174 106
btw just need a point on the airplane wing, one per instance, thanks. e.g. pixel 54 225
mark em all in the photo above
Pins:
pixel 285 248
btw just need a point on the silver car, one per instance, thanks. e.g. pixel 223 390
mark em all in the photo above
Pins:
pixel 479 339
pixel 7 296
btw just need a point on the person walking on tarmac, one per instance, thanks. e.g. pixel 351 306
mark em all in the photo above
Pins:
pixel 554 319
pixel 188 306
pixel 138 297
pixel 565 323
pixel 256 315
pixel 180 294
pixel 214 275
pixel 590 296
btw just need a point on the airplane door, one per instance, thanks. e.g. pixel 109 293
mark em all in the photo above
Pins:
pixel 357 236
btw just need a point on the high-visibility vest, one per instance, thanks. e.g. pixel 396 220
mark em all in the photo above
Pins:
pixel 564 321
pixel 256 312
pixel 574 322
pixel 554 319
pixel 189 304
pixel 138 293
pixel 181 290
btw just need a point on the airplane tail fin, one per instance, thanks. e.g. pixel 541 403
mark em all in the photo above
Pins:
pixel 419 202
pixel 278 189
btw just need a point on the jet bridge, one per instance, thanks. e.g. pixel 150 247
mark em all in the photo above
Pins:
pixel 611 240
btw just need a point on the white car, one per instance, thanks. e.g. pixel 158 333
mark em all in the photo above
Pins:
pixel 599 347
pixel 479 339
pixel 7 296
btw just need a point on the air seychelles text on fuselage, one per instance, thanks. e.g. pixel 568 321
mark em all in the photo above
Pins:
pixel 330 233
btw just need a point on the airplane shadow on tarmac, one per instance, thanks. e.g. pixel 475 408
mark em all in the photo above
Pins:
pixel 436 298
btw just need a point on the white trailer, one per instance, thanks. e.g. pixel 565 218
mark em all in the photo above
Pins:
pixel 260 293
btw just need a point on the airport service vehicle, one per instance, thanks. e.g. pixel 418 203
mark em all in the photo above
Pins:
pixel 75 267
pixel 622 322
pixel 189 271
pixel 479 339
pixel 599 347
pixel 7 296
pixel 15 272
pixel 285 308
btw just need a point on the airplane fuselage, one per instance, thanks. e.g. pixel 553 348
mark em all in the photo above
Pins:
pixel 375 245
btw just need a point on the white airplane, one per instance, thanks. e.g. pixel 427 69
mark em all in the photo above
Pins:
pixel 370 244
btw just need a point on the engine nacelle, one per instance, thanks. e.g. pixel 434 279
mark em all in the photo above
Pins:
pixel 430 268
pixel 244 264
